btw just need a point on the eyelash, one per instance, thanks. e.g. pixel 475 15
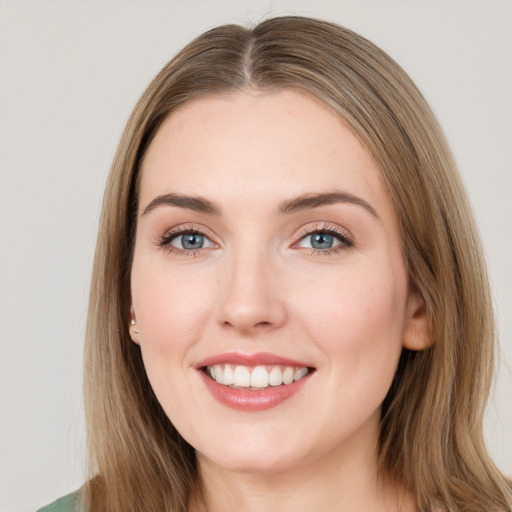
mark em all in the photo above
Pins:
pixel 165 241
pixel 343 237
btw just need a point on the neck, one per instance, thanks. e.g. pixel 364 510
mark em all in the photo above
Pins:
pixel 343 479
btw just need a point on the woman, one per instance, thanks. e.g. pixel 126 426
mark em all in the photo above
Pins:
pixel 289 307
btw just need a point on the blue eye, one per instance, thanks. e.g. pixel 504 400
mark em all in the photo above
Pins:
pixel 190 241
pixel 321 240
pixel 325 240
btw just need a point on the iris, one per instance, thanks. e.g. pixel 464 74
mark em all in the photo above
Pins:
pixel 192 241
pixel 321 241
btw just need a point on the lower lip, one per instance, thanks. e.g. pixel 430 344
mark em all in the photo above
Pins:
pixel 253 400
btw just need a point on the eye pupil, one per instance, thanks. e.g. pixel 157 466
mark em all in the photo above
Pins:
pixel 321 241
pixel 192 241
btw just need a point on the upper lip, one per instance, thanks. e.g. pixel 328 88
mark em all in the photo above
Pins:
pixel 259 359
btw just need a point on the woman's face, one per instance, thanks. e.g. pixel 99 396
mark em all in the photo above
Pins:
pixel 268 250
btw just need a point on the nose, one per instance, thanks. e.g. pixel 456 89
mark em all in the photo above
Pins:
pixel 252 300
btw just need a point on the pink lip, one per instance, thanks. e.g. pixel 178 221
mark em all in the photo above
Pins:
pixel 262 358
pixel 249 400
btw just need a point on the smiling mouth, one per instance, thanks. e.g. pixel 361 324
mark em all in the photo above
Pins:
pixel 255 377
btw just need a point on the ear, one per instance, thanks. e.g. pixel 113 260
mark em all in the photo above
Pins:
pixel 416 333
pixel 134 330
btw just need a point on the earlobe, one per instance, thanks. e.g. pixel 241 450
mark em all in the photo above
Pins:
pixel 134 330
pixel 416 333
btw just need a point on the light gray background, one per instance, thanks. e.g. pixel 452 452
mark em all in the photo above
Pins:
pixel 71 72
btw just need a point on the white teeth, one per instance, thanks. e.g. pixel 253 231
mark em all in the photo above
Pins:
pixel 218 374
pixel 259 377
pixel 299 373
pixel 242 377
pixel 228 377
pixel 288 375
pixel 275 377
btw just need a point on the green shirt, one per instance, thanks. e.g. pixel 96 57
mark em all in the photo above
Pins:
pixel 68 503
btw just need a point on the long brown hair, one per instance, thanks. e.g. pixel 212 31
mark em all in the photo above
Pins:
pixel 431 428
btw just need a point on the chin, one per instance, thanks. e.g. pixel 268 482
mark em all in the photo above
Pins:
pixel 258 457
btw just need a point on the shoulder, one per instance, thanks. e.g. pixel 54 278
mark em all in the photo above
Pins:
pixel 69 503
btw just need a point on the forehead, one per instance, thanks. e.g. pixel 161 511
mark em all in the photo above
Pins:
pixel 258 146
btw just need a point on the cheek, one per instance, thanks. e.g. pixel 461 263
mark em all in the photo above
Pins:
pixel 172 309
pixel 171 306
pixel 358 318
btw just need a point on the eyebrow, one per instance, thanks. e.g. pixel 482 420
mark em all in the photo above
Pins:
pixel 289 206
pixel 198 204
pixel 310 201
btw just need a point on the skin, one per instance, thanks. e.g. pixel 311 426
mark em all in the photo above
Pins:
pixel 258 286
